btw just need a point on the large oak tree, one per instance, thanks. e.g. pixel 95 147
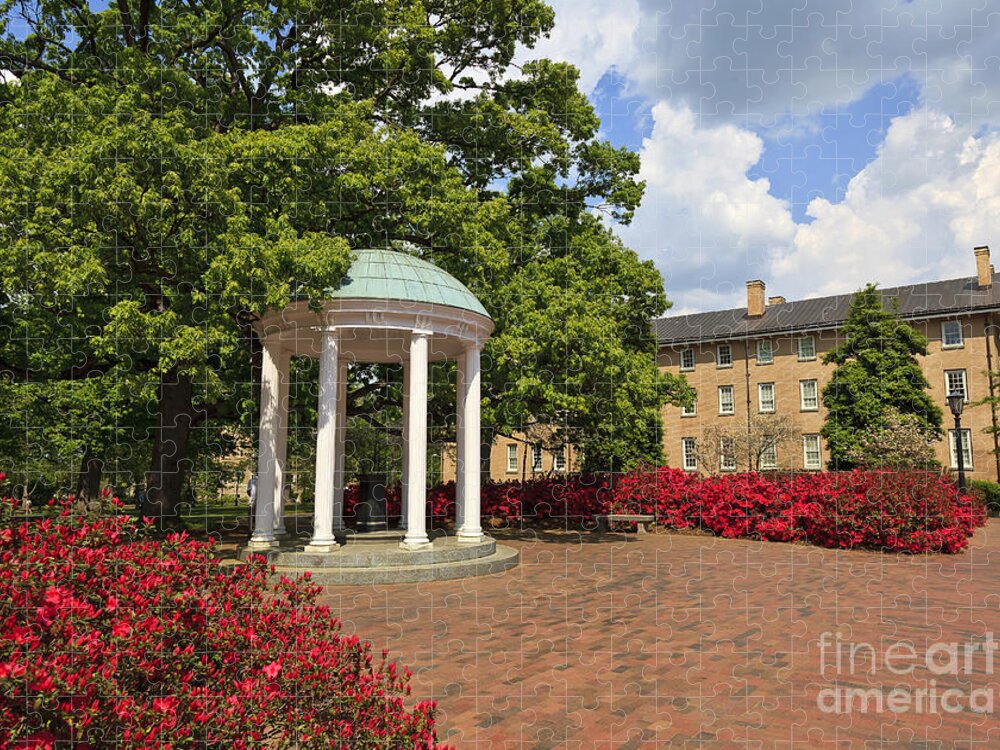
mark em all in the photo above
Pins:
pixel 169 170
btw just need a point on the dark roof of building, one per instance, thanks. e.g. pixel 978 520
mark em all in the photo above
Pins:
pixel 932 299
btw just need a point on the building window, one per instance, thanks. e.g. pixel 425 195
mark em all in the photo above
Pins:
pixel 812 456
pixel 951 335
pixel 536 457
pixel 966 449
pixel 954 382
pixel 511 458
pixel 807 348
pixel 726 405
pixel 689 410
pixel 765 398
pixel 724 356
pixel 727 454
pixel 687 360
pixel 808 395
pixel 688 447
pixel 559 459
pixel 765 352
pixel 769 457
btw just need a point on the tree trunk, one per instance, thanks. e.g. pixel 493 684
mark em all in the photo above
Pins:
pixel 89 482
pixel 166 476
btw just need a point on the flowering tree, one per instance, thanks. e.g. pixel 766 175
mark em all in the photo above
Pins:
pixel 745 447
pixel 899 441
pixel 114 639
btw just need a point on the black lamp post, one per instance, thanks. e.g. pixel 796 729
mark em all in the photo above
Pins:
pixel 956 402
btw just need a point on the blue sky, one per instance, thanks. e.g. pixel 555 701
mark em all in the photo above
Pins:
pixel 818 145
pixel 815 162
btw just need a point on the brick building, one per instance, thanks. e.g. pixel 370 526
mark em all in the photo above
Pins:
pixel 767 358
pixel 518 457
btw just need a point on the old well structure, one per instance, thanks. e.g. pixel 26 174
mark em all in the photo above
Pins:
pixel 391 307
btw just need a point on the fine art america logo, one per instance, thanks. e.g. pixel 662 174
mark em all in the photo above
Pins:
pixel 867 678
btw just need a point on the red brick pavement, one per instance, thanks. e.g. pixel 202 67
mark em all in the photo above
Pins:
pixel 674 641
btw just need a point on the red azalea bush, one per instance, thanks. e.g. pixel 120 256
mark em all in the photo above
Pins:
pixel 112 638
pixel 572 497
pixel 898 511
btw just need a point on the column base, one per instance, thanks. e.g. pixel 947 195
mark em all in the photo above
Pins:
pixel 323 546
pixel 416 544
pixel 466 536
pixel 260 545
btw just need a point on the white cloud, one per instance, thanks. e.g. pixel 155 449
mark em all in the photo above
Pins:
pixel 594 35
pixel 761 61
pixel 913 214
pixel 714 69
pixel 703 220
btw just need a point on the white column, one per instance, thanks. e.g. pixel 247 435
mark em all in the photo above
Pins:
pixel 338 482
pixel 416 463
pixel 263 533
pixel 406 443
pixel 281 452
pixel 470 530
pixel 459 442
pixel 326 441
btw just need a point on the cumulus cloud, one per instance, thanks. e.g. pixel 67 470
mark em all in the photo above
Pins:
pixel 913 214
pixel 717 73
pixel 703 220
pixel 594 35
pixel 761 61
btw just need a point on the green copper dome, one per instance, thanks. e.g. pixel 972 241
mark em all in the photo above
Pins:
pixel 387 274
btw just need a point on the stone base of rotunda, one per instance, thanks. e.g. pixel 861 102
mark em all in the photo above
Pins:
pixel 365 561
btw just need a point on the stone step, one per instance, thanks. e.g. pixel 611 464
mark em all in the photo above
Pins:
pixel 443 550
pixel 502 559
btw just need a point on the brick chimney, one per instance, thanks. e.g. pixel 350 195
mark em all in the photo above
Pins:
pixel 775 301
pixel 755 298
pixel 984 271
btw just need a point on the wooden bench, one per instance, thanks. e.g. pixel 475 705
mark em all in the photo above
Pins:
pixel 640 520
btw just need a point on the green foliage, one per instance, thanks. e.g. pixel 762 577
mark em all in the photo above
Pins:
pixel 877 370
pixel 170 171
pixel 988 492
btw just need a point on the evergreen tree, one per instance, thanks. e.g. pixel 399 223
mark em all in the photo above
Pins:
pixel 877 374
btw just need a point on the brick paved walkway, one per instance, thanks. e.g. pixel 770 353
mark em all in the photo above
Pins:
pixel 688 642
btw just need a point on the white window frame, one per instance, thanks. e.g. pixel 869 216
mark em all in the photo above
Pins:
pixel 536 457
pixel 690 411
pixel 809 357
pixel 965 383
pixel 760 399
pixel 718 356
pixel 723 412
pixel 944 334
pixel 769 345
pixel 559 459
pixel 689 454
pixel 966 446
pixel 512 458
pixel 725 465
pixel 802 395
pixel 806 464
pixel 772 453
pixel 687 368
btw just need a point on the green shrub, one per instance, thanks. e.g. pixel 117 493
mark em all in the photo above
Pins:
pixel 989 493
